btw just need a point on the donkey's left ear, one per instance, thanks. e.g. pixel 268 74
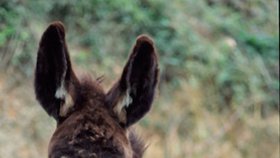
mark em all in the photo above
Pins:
pixel 55 80
pixel 131 97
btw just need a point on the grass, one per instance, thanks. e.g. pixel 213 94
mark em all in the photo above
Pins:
pixel 178 126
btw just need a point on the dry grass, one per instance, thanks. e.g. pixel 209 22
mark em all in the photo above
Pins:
pixel 177 127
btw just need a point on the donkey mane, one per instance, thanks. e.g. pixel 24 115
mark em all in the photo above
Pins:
pixel 90 121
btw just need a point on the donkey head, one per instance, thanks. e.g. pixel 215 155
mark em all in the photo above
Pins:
pixel 90 122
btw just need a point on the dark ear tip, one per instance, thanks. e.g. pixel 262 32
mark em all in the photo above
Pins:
pixel 57 24
pixel 54 33
pixel 144 39
pixel 57 27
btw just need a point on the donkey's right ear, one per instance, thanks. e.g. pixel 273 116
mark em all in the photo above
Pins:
pixel 55 81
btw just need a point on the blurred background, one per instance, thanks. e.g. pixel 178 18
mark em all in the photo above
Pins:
pixel 219 60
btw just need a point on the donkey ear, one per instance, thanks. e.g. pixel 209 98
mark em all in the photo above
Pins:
pixel 54 78
pixel 131 97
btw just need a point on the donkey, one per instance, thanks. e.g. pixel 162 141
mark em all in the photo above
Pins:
pixel 90 122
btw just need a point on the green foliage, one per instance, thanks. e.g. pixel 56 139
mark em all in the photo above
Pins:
pixel 230 45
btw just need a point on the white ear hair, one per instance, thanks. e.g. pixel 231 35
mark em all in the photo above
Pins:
pixel 127 98
pixel 61 91
pixel 125 101
pixel 66 106
pixel 62 94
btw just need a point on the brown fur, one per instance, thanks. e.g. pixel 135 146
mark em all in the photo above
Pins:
pixel 88 124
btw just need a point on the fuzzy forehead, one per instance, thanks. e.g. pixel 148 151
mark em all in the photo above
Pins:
pixel 88 84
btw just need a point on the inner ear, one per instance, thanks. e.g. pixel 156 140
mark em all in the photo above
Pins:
pixel 142 66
